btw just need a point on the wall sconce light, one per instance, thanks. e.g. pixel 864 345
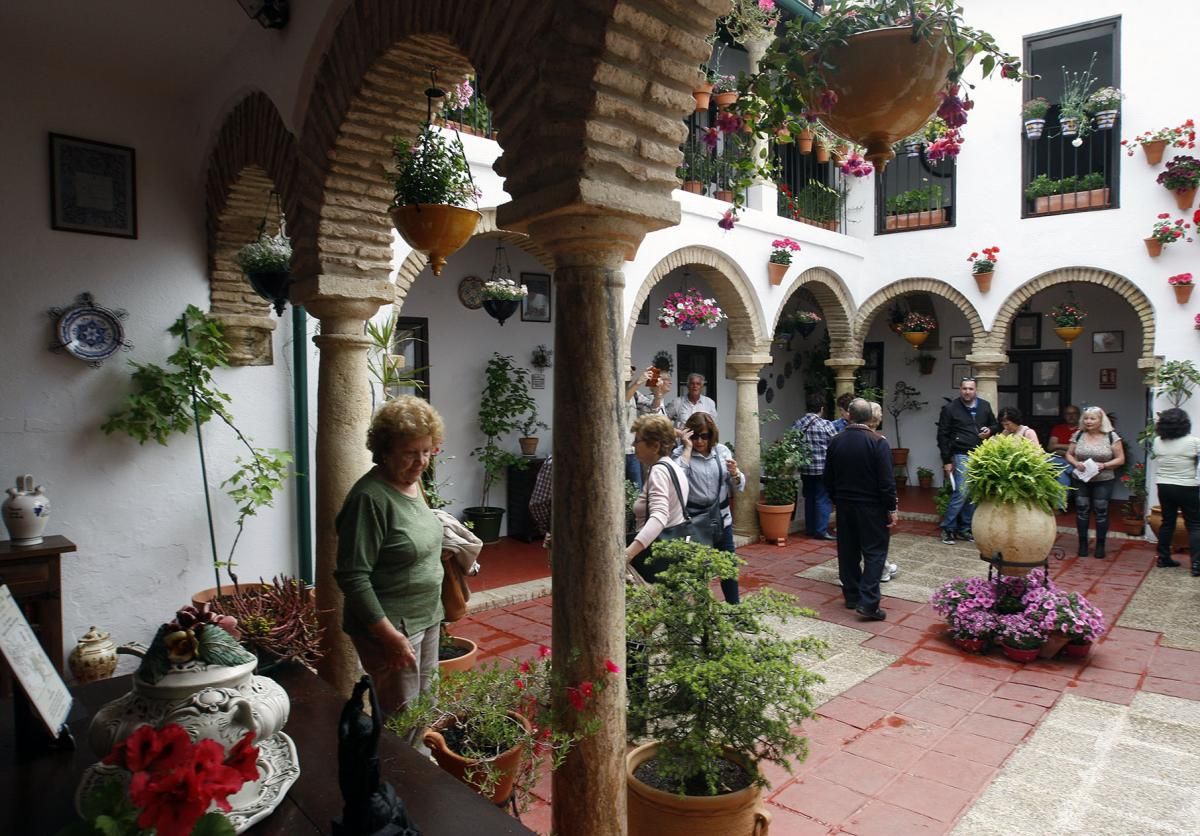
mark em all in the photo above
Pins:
pixel 271 14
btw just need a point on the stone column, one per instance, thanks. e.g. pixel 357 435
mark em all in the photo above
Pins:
pixel 986 368
pixel 762 196
pixel 745 370
pixel 588 506
pixel 343 416
pixel 844 369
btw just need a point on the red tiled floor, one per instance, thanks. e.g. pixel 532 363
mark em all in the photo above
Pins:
pixel 819 799
pixel 878 818
pixel 997 728
pixel 953 771
pixel 1101 691
pixel 877 695
pixel 859 774
pixel 509 561
pixel 935 713
pixel 1026 693
pixel 929 798
pixel 974 747
pixel 1022 712
pixel 852 712
pixel 784 821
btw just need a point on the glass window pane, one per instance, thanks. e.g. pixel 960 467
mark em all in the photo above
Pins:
pixel 1008 376
pixel 1009 399
pixel 1046 373
pixel 1045 404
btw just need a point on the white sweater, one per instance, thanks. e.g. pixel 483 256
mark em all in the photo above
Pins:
pixel 658 506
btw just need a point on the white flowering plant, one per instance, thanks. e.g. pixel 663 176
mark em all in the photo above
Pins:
pixel 505 290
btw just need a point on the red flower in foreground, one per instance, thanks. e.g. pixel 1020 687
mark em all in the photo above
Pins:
pixel 611 666
pixel 543 651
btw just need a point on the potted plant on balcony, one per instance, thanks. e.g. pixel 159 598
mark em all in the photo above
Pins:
pixel 503 404
pixel 1073 107
pixel 1166 231
pixel 723 693
pixel 915 328
pixel 1034 112
pixel 1104 105
pixel 1182 176
pixel 725 90
pixel 781 259
pixel 904 399
pixel 433 186
pixel 982 267
pixel 266 261
pixel 915 208
pixel 780 461
pixel 697 169
pixel 819 205
pixel 1153 143
pixel 1067 317
pixel 1182 284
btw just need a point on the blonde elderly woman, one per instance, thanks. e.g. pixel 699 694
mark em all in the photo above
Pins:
pixel 389 555
pixel 1095 441
pixel 659 505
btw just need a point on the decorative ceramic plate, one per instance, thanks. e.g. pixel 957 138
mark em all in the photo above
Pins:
pixel 762 386
pixel 90 332
pixel 787 369
pixel 470 292
pixel 278 769
pixel 770 396
pixel 778 381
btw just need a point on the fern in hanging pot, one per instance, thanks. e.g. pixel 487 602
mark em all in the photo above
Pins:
pixel 267 262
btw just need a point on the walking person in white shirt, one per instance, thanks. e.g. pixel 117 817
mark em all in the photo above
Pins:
pixel 681 409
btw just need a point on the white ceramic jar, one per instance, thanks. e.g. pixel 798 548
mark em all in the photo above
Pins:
pixel 25 512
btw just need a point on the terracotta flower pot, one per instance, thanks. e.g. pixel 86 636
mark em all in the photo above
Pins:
pixel 776 272
pixel 1183 292
pixel 925 481
pixel 1055 642
pixel 436 230
pixel 529 445
pixel 1153 247
pixel 774 520
pixel 1179 542
pixel 460 663
pixel 821 153
pixel 724 100
pixel 984 280
pixel 900 456
pixel 915 338
pixel 468 770
pixel 1154 151
pixel 725 195
pixel 702 94
pixel 804 142
pixel 1077 650
pixel 693 186
pixel 1068 334
pixel 1020 654
pixel 1184 198
pixel 1134 526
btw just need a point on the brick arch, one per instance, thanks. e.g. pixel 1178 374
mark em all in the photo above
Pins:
pixel 833 296
pixel 878 300
pixel 1120 285
pixel 415 261
pixel 602 139
pixel 745 328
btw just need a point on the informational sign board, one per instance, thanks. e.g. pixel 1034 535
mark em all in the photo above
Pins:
pixel 32 667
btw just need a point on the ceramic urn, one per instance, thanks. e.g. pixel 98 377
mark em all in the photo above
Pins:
pixel 94 657
pixel 25 512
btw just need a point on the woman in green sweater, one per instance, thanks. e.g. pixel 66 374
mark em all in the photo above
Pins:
pixel 389 564
pixel 1176 452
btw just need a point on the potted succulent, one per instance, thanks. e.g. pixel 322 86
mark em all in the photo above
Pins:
pixel 780 461
pixel 711 730
pixel 503 405
pixel 915 328
pixel 924 477
pixel 267 263
pixel 904 399
pixel 1104 105
pixel 1153 143
pixel 1165 231
pixel 983 265
pixel 915 208
pixel 1182 284
pixel 1015 488
pixel 277 622
pixel 433 185
pixel 1067 317
pixel 781 258
pixel 1034 112
pixel 1182 176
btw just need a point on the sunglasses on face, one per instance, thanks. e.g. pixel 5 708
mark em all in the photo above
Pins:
pixel 701 436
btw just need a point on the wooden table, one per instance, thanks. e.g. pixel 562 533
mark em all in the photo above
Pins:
pixel 36 794
pixel 32 575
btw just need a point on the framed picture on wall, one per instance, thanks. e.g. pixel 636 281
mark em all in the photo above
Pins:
pixel 1108 378
pixel 535 307
pixel 1026 331
pixel 960 347
pixel 92 187
pixel 957 372
pixel 1108 342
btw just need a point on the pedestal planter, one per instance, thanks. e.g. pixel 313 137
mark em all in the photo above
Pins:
pixel 1020 654
pixel 1077 650
pixel 1183 292
pixel 776 272
pixel 774 520
pixel 1068 334
pixel 1184 198
pixel 984 280
pixel 915 338
pixel 1154 151
pixel 436 230
pixel 1153 247
pixel 501 309
pixel 1024 535
pixel 1034 128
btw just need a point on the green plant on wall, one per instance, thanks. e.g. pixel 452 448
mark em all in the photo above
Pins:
pixel 504 405
pixel 1175 380
pixel 169 401
pixel 819 202
pixel 817 376
pixel 386 368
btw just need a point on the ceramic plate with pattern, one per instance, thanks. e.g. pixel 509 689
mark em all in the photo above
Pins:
pixel 89 332
pixel 470 292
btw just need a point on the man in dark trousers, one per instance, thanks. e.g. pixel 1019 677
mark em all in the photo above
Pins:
pixel 963 425
pixel 859 478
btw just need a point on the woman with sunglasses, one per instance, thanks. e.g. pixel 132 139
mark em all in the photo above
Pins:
pixel 712 475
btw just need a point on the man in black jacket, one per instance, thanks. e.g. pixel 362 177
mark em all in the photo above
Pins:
pixel 859 478
pixel 964 423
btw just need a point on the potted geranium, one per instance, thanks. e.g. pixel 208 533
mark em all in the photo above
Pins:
pixel 1182 176
pixel 689 310
pixel 1020 637
pixel 722 693
pixel 1153 143
pixel 277 622
pixel 781 258
pixel 982 267
pixel 780 461
pixel 915 328
pixel 806 322
pixel 1166 231
pixel 1182 284
pixel 1067 317
pixel 1104 105
pixel 267 261
pixel 1034 112
pixel 433 186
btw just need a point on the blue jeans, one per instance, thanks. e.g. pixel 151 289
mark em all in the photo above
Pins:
pixel 817 505
pixel 729 586
pixel 633 470
pixel 959 512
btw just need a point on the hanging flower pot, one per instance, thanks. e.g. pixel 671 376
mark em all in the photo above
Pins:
pixel 267 262
pixel 912 149
pixel 984 281
pixel 1104 120
pixel 725 99
pixel 437 230
pixel 915 338
pixel 821 152
pixel 1184 198
pixel 1068 333
pixel 501 309
pixel 1069 125
pixel 805 328
pixel 1034 128
pixel 776 272
pixel 1154 150
pixel 272 285
pixel 1153 247
pixel 687 310
pixel 702 94
pixel 915 328
pixel 1183 292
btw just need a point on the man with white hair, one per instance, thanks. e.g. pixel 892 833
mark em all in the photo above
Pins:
pixel 681 409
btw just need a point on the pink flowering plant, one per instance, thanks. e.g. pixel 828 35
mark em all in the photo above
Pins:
pixel 985 262
pixel 806 317
pixel 855 166
pixel 1018 630
pixel 1166 231
pixel 1067 315
pixel 1181 136
pixel 917 322
pixel 973 624
pixel 1180 279
pixel 1078 618
pixel 690 310
pixel 782 250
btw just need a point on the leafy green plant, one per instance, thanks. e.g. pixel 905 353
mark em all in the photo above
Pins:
pixel 1174 380
pixel 1077 86
pixel 924 473
pixel 718 676
pixel 904 399
pixel 819 202
pixel 698 164
pixel 941 500
pixel 1036 108
pixel 780 461
pixel 429 170
pixel 266 254
pixel 922 199
pixel 1106 98
pixel 384 366
pixel 170 401
pixel 1008 469
pixel 504 406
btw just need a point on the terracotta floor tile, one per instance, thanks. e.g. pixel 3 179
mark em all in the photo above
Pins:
pixel 819 799
pixel 1040 679
pixel 1171 670
pixel 1130 658
pixel 1172 688
pixel 911 679
pixel 882 819
pixel 888 751
pixel 997 728
pixel 1110 677
pixel 970 680
pixel 955 771
pixel 929 798
pixel 859 774
pixel 974 747
pixel 885 698
pixel 786 822
pixel 1022 712
pixel 923 621
pixel 907 729
pixel 509 622
pixel 1102 691
pixel 855 713
pixel 949 695
pixel 887 644
pixel 939 714
pixel 829 730
pixel 947 658
pixel 1027 693
pixel 538 819
pixel 904 634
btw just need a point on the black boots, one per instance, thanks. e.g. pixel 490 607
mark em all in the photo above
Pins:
pixel 1195 568
pixel 1083 548
pixel 1166 562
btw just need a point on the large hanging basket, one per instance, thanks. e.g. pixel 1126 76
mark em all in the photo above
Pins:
pixel 436 230
pixel 1068 334
pixel 887 87
pixel 915 338
pixel 272 285
pixel 501 309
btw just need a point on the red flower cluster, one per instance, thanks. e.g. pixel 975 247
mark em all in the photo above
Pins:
pixel 174 780
pixel 984 263
pixel 1183 136
pixel 945 146
pixel 1167 232
pixel 1180 279
pixel 953 110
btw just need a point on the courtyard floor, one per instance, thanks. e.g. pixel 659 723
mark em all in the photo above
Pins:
pixel 914 737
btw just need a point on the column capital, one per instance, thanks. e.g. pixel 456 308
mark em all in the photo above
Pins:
pixel 842 363
pixel 987 365
pixel 330 297
pixel 1150 365
pixel 590 240
pixel 745 366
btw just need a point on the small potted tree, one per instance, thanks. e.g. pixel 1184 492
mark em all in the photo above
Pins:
pixel 780 461
pixel 503 405
pixel 721 695
pixel 904 399
pixel 528 428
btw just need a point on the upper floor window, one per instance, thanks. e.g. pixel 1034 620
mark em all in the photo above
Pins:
pixel 812 188
pixel 1070 157
pixel 912 192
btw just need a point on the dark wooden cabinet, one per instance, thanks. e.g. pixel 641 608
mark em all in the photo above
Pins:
pixel 520 488
pixel 32 575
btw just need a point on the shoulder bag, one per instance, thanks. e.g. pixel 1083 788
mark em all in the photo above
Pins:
pixel 692 529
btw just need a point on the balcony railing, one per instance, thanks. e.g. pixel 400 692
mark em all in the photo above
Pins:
pixel 472 118
pixel 1061 176
pixel 913 193
pixel 706 170
pixel 811 191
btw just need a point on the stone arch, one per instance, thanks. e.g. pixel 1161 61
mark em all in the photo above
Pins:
pixel 937 287
pixel 415 261
pixel 254 154
pixel 834 298
pixel 614 107
pixel 747 333
pixel 1120 285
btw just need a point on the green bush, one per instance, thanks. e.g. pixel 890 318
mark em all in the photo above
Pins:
pixel 1009 469
pixel 923 199
pixel 780 461
pixel 819 202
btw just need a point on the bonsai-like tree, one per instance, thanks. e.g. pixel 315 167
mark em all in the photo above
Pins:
pixel 716 682
pixel 904 398
pixel 503 406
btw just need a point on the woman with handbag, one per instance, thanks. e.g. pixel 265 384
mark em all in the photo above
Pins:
pixel 1096 441
pixel 1176 452
pixel 712 475
pixel 660 507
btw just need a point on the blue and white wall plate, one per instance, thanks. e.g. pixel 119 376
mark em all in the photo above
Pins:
pixel 89 332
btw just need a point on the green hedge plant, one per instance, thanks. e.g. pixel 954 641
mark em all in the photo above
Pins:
pixel 1008 469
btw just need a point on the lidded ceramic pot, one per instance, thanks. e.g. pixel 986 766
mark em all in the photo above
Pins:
pixel 94 657
pixel 25 512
